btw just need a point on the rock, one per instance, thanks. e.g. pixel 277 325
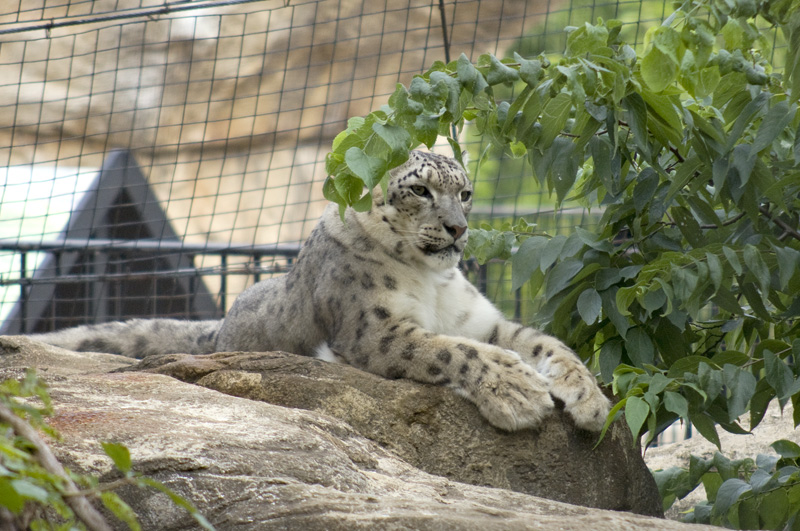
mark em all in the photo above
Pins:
pixel 248 464
pixel 419 423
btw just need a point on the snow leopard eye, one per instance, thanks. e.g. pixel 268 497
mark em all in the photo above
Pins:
pixel 466 195
pixel 420 190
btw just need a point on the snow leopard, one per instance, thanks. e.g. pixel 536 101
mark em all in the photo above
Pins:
pixel 381 290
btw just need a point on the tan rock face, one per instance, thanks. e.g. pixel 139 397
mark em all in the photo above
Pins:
pixel 433 429
pixel 338 462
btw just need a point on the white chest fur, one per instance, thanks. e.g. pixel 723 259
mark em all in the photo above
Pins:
pixel 446 303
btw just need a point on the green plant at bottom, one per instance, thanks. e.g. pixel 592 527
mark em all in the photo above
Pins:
pixel 37 492
pixel 743 494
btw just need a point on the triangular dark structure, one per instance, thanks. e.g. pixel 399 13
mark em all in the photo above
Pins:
pixel 94 273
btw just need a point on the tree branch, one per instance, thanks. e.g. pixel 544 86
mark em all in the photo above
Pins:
pixel 788 229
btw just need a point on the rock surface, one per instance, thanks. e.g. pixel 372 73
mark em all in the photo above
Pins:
pixel 248 464
pixel 419 423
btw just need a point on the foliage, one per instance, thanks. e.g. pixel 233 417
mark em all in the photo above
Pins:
pixel 36 490
pixel 685 295
pixel 742 494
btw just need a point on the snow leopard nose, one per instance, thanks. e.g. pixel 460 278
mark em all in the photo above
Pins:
pixel 455 230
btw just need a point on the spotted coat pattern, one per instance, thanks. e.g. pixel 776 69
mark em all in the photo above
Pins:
pixel 381 291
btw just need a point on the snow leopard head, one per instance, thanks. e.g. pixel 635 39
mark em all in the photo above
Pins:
pixel 426 206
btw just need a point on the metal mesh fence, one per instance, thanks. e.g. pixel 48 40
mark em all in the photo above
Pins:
pixel 156 157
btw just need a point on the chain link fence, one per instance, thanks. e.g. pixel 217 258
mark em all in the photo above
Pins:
pixel 156 157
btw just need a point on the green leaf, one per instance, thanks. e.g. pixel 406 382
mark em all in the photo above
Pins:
pixel 774 123
pixel 728 494
pixel 500 73
pixel 705 426
pixel 29 491
pixel 676 403
pixel 486 245
pixel 530 70
pixel 741 386
pixel 639 347
pixel 637 120
pixel 9 498
pixel 667 41
pixel 564 168
pixel 364 204
pixel 657 70
pixel 329 192
pixel 715 270
pixel 610 356
pixel 778 375
pixel 586 39
pixel 688 226
pixel 609 297
pixel 786 448
pixel 612 416
pixel 396 137
pixel 348 187
pixel 636 412
pixel 589 306
pixel 745 118
pixel 466 72
pixel 788 263
pixel 645 188
pixel 560 276
pixel 119 454
pixel 756 301
pixel 594 241
pixel 733 259
pixel 606 166
pixel 526 260
pixel 366 167
pixel 773 508
pixel 554 117
pixel 551 251
pixel 426 129
pixel 120 509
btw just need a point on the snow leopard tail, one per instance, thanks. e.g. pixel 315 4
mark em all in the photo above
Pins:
pixel 138 338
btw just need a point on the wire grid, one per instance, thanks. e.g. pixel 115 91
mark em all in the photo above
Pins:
pixel 228 109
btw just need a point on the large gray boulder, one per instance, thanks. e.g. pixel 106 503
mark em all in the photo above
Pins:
pixel 434 429
pixel 249 464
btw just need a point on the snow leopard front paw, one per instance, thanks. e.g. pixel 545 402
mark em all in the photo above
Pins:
pixel 573 384
pixel 514 397
pixel 590 408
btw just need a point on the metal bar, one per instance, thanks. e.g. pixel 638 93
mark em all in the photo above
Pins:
pixel 23 296
pixel 239 270
pixel 257 267
pixel 98 308
pixel 148 246
pixel 223 285
pixel 53 316
pixel 124 14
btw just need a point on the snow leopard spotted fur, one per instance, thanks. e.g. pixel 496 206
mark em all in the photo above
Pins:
pixel 381 291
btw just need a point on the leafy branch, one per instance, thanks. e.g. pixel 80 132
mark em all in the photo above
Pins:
pixel 684 295
pixel 32 478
